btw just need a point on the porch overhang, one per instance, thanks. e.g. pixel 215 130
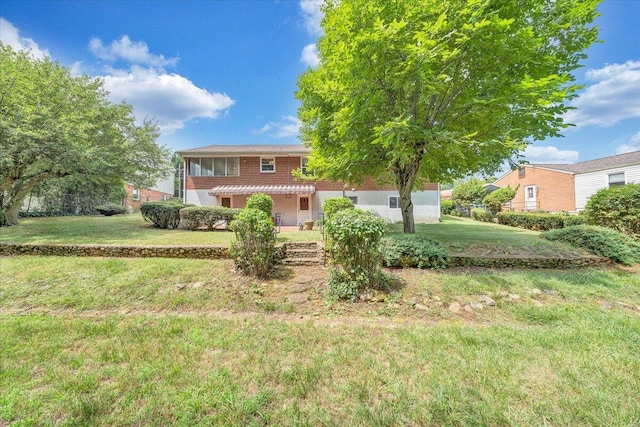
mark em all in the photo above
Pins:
pixel 224 190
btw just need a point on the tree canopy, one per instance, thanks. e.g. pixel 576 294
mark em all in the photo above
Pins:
pixel 408 91
pixel 55 125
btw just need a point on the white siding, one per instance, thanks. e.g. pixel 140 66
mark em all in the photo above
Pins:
pixel 200 198
pixel 587 184
pixel 165 185
pixel 425 204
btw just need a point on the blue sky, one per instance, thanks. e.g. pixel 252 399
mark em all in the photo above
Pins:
pixel 224 72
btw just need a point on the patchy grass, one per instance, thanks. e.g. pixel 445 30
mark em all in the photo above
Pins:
pixel 99 341
pixel 123 229
pixel 464 235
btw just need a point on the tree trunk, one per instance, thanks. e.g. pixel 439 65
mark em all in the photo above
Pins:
pixel 405 179
pixel 11 213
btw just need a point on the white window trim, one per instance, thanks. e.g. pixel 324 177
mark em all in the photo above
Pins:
pixel 303 169
pixel 226 166
pixel 389 203
pixel 135 194
pixel 274 164
pixel 624 176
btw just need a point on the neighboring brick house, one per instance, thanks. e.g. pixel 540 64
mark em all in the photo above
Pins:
pixel 225 175
pixel 163 190
pixel 568 187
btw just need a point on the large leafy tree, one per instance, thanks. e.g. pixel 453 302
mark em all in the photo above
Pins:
pixel 55 125
pixel 414 90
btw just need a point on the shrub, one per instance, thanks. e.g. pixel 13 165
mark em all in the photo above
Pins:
pixel 481 215
pixel 600 240
pixel 331 206
pixel 616 207
pixel 254 247
pixel 468 193
pixel 162 214
pixel 262 202
pixel 538 221
pixel 447 207
pixel 494 200
pixel 206 216
pixel 109 209
pixel 355 245
pixel 413 250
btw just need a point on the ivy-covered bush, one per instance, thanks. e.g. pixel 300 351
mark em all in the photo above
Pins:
pixel 413 250
pixel 109 209
pixel 538 221
pixel 616 207
pixel 253 249
pixel 355 247
pixel 262 202
pixel 331 206
pixel 162 214
pixel 447 207
pixel 494 200
pixel 196 217
pixel 600 240
pixel 481 215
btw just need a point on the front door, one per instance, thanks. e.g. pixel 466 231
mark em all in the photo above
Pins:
pixel 304 208
pixel 530 203
pixel 225 202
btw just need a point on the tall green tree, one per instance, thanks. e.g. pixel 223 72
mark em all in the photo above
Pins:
pixel 414 90
pixel 55 125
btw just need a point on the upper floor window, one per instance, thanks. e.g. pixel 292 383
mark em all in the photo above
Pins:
pixel 214 166
pixel 267 164
pixel 616 179
pixel 303 165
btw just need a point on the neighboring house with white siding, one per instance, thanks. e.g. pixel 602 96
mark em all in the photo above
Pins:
pixel 568 187
pixel 225 175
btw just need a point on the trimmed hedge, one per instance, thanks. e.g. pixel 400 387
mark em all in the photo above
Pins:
pixel 333 205
pixel 480 214
pixel 413 250
pixel 616 246
pixel 447 207
pixel 206 216
pixel 110 209
pixel 538 221
pixel 616 207
pixel 162 214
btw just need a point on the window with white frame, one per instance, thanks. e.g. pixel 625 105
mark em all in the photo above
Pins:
pixel 303 165
pixel 135 194
pixel 394 202
pixel 354 199
pixel 267 164
pixel 616 179
pixel 214 166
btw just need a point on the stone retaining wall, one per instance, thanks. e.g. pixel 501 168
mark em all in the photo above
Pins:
pixel 221 252
pixel 533 262
pixel 200 252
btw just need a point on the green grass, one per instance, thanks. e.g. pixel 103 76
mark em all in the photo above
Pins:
pixel 464 235
pixel 122 229
pixel 99 341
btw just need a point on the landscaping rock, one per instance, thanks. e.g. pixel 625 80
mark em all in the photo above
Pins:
pixel 477 306
pixel 514 297
pixel 298 298
pixel 421 307
pixel 455 307
pixel 536 291
pixel 486 300
pixel 303 280
pixel 297 289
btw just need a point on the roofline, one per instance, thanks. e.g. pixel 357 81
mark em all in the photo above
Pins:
pixel 252 150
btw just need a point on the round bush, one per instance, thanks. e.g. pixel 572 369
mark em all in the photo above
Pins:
pixel 110 209
pixel 331 206
pixel 262 202
pixel 617 208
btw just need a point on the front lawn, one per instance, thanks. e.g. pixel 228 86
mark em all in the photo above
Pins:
pixel 99 341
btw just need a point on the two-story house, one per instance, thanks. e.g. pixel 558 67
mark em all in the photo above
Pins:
pixel 225 175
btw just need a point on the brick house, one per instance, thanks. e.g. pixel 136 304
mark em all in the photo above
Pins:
pixel 162 190
pixel 568 187
pixel 225 175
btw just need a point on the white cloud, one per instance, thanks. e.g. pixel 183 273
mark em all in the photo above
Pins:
pixel 614 96
pixel 10 36
pixel 549 154
pixel 286 127
pixel 310 55
pixel 170 98
pixel 132 51
pixel 633 144
pixel 312 16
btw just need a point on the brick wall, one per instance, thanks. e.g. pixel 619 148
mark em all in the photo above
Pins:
pixel 250 175
pixel 555 190
pixel 146 195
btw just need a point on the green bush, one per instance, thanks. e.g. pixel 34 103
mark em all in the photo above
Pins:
pixel 413 250
pixel 494 200
pixel 447 207
pixel 538 221
pixel 206 216
pixel 253 250
pixel 616 207
pixel 262 202
pixel 331 206
pixel 355 246
pixel 162 214
pixel 481 215
pixel 600 240
pixel 109 209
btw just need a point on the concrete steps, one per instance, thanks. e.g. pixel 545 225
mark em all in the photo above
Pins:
pixel 303 253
